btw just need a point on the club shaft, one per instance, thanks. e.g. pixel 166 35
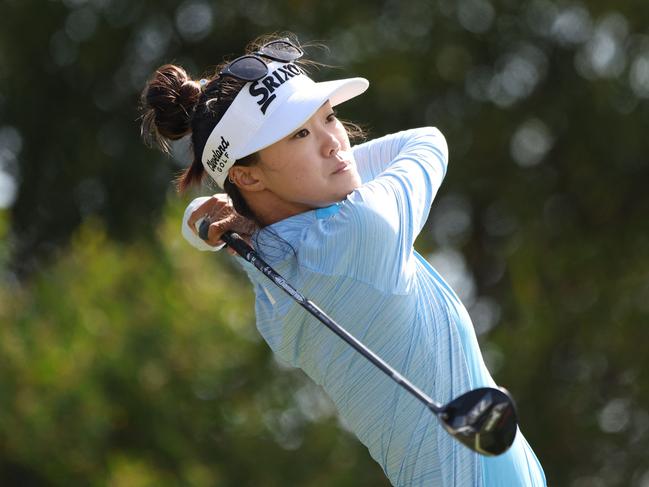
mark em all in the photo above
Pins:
pixel 235 242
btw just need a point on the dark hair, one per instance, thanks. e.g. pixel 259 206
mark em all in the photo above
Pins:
pixel 173 106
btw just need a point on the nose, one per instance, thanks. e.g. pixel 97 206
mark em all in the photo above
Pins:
pixel 330 143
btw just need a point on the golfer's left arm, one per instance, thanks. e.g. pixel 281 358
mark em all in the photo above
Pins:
pixel 396 204
pixel 374 233
pixel 403 192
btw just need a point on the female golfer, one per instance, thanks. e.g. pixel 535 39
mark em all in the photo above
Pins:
pixel 339 224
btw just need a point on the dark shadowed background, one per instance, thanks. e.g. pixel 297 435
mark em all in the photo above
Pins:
pixel 129 359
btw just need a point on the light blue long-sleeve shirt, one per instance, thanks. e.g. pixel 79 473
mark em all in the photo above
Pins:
pixel 356 261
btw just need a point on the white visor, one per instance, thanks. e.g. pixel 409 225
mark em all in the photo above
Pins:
pixel 268 110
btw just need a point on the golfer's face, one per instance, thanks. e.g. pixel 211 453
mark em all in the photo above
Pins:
pixel 311 166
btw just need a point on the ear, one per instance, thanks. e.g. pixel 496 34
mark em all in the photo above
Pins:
pixel 246 178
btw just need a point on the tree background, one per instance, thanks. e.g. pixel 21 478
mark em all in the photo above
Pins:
pixel 126 359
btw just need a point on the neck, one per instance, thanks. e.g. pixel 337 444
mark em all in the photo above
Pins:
pixel 270 208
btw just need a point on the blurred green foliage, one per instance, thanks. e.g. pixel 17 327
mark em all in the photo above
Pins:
pixel 127 359
pixel 138 366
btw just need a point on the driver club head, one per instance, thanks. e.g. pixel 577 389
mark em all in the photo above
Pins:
pixel 483 419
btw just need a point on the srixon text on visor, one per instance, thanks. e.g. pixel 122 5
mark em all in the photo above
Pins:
pixel 267 86
pixel 264 88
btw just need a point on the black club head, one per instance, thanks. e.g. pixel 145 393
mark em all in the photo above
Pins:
pixel 482 419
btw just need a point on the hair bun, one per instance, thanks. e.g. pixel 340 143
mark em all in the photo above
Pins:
pixel 168 103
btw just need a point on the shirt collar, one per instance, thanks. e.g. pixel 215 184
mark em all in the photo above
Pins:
pixel 275 241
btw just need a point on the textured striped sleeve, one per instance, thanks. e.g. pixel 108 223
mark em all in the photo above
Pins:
pixel 374 156
pixel 371 237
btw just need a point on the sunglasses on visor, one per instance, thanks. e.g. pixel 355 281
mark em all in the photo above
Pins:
pixel 252 67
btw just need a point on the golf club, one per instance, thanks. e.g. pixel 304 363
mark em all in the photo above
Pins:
pixel 482 419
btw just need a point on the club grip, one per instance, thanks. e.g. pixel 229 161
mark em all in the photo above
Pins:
pixel 203 229
pixel 231 239
pixel 236 243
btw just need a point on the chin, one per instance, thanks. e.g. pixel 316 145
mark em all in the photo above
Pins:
pixel 345 188
pixel 346 192
pixel 354 184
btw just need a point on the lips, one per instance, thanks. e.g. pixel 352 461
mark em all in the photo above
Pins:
pixel 341 167
pixel 344 158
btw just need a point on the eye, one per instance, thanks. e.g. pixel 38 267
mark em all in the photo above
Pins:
pixel 300 134
pixel 331 117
